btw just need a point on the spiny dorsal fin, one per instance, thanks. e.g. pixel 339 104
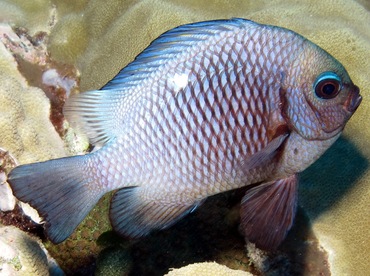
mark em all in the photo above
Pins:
pixel 168 45
pixel 99 114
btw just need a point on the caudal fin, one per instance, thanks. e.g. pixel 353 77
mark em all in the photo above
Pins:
pixel 59 190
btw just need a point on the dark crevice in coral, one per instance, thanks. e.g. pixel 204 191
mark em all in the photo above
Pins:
pixel 56 79
pixel 36 40
pixel 209 234
pixel 18 219
pixel 56 94
pixel 299 254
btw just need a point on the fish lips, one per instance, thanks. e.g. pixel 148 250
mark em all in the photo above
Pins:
pixel 354 100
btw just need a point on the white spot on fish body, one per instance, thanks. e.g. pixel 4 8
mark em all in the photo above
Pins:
pixel 178 82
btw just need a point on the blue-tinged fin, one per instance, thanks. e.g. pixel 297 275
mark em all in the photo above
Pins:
pixel 268 210
pixel 169 45
pixel 99 114
pixel 59 192
pixel 133 215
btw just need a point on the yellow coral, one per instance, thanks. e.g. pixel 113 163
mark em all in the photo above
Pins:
pixel 21 254
pixel 26 131
pixel 36 15
pixel 206 269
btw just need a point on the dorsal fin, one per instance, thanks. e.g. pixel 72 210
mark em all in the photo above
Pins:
pixel 168 45
pixel 101 113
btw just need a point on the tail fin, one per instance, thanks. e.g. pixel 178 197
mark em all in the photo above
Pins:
pixel 59 190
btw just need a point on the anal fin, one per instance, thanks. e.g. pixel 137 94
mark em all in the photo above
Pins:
pixel 134 215
pixel 268 210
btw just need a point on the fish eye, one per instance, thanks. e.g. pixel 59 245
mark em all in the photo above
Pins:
pixel 327 85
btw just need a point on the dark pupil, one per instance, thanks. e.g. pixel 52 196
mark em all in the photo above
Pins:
pixel 328 89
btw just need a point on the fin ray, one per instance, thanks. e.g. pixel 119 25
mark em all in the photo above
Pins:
pixel 264 156
pixel 170 44
pixel 268 210
pixel 133 216
pixel 58 191
pixel 99 114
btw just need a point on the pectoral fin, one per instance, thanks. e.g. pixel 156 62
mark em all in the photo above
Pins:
pixel 268 210
pixel 264 156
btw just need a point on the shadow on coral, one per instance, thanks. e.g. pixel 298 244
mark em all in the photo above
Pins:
pixel 211 232
pixel 208 234
pixel 299 254
pixel 334 174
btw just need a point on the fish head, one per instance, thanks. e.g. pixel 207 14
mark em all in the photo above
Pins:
pixel 319 96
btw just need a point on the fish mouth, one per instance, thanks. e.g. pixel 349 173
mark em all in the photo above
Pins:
pixel 354 100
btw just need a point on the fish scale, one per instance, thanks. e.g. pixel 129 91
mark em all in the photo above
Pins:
pixel 192 123
pixel 206 108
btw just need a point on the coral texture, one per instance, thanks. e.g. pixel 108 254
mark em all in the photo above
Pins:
pixel 36 15
pixel 26 131
pixel 27 134
pixel 206 269
pixel 113 262
pixel 21 254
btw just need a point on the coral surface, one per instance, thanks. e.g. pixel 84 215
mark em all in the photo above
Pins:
pixel 21 254
pixel 25 127
pixel 101 37
pixel 206 269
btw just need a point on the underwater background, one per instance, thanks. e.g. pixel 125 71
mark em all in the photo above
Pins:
pixel 50 49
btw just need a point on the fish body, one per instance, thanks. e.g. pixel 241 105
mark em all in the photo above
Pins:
pixel 206 108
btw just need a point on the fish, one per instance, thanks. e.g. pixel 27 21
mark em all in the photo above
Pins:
pixel 206 108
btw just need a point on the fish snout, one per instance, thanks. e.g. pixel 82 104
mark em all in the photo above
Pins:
pixel 354 100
